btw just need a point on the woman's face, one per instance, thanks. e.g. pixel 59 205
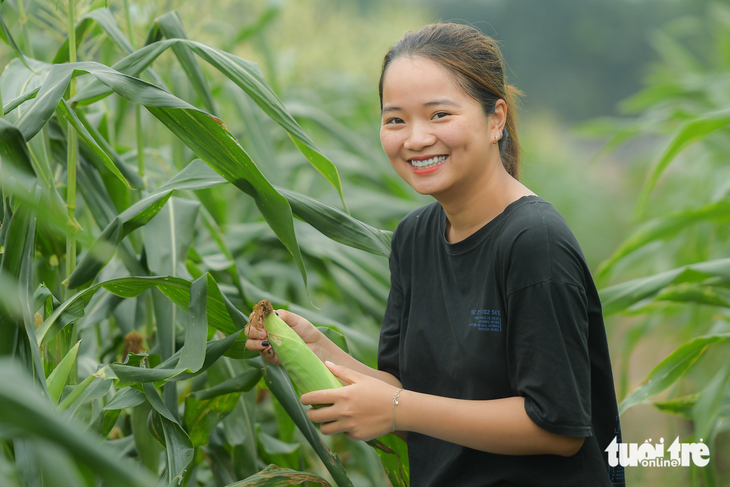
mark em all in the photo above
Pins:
pixel 437 138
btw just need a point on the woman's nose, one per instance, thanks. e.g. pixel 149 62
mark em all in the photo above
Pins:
pixel 420 136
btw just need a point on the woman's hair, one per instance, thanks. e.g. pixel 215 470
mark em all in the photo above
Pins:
pixel 475 62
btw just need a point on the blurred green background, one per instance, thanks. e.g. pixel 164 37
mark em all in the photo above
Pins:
pixel 609 87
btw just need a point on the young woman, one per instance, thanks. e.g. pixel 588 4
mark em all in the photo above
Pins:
pixel 493 360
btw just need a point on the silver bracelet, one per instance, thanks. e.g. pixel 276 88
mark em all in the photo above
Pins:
pixel 395 402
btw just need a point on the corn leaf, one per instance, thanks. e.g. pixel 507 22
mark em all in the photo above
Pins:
pixel 706 410
pixel 17 329
pixel 666 227
pixel 207 136
pixel 696 293
pixel 87 139
pixel 58 377
pixel 689 133
pixel 279 384
pixel 201 416
pixel 620 296
pixel 393 453
pixel 171 27
pixel 192 355
pixel 18 165
pixel 275 476
pixel 31 413
pixel 241 383
pixel 126 398
pixel 242 72
pixel 8 39
pixel 104 18
pixel 139 215
pixel 175 288
pixel 671 369
pixel 680 406
pixel 131 175
pixel 177 442
pixel 19 100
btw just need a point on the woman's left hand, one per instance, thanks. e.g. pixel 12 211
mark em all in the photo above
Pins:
pixel 362 410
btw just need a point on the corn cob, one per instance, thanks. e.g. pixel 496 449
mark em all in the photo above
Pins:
pixel 305 369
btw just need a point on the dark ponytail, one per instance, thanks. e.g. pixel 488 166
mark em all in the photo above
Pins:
pixel 475 61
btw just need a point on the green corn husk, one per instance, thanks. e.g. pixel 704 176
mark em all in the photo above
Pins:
pixel 305 369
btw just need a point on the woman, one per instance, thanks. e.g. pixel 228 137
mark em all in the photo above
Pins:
pixel 493 356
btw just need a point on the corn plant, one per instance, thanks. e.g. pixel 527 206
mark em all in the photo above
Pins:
pixel 680 243
pixel 137 234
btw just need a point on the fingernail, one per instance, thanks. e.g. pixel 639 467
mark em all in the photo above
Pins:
pixel 269 351
pixel 265 343
pixel 328 362
pixel 276 313
pixel 261 334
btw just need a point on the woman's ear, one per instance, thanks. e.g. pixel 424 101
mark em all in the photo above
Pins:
pixel 499 117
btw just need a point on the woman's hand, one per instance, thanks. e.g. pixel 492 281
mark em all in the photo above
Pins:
pixel 257 338
pixel 362 410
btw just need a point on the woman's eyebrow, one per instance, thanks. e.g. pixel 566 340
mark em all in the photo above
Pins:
pixel 440 101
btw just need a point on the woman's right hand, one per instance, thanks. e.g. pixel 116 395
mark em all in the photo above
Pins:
pixel 257 338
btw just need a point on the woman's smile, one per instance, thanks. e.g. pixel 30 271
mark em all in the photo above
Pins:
pixel 427 164
pixel 436 137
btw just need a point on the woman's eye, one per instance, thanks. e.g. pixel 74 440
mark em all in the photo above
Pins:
pixel 440 115
pixel 393 121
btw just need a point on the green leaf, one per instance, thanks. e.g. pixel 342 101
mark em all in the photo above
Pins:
pixel 19 100
pixel 168 370
pixel 171 27
pixel 32 414
pixel 338 225
pixel 201 416
pixel 175 288
pixel 696 293
pixel 58 377
pixel 681 406
pixel 18 166
pixel 178 445
pixel 246 75
pixel 620 296
pixel 205 135
pixel 274 476
pixel 86 138
pixel 8 39
pixel 393 453
pixel 140 214
pixel 241 383
pixel 666 227
pixel 14 152
pixel 76 393
pixel 148 447
pixel 706 410
pixel 131 175
pixel 192 355
pixel 126 398
pixel 279 384
pixel 689 133
pixel 671 369
pixel 104 18
pixel 17 330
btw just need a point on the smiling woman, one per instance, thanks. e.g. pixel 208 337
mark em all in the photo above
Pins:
pixel 493 360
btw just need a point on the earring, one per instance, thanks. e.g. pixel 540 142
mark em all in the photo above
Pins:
pixel 495 140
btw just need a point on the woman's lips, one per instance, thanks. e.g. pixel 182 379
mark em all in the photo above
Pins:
pixel 428 169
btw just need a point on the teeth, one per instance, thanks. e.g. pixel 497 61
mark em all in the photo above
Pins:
pixel 428 162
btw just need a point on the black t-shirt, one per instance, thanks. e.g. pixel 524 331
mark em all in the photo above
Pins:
pixel 511 310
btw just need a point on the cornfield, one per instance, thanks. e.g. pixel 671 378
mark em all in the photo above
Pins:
pixel 149 201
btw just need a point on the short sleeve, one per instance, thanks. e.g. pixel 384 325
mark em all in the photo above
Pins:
pixel 389 344
pixel 548 358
